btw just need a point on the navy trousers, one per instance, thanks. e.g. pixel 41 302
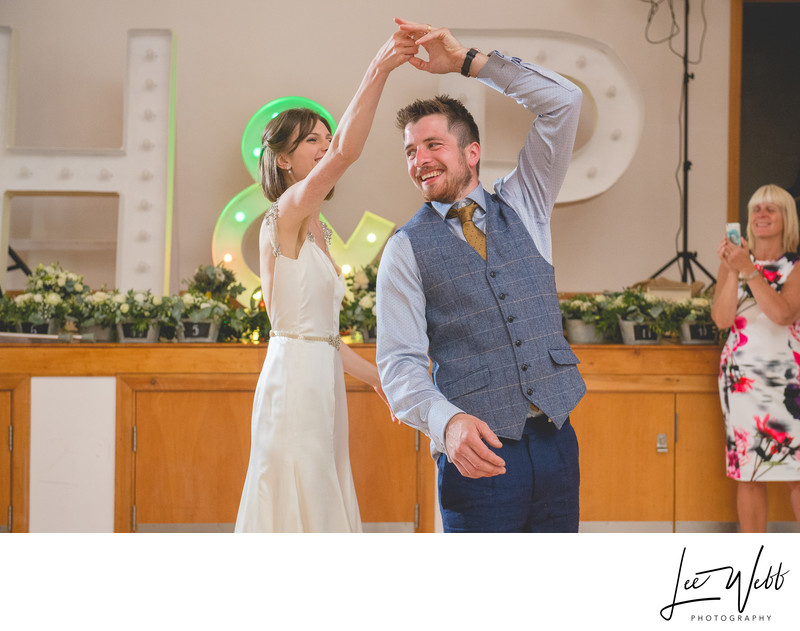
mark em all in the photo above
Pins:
pixel 538 492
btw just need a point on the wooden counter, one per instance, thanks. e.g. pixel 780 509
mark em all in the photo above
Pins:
pixel 650 431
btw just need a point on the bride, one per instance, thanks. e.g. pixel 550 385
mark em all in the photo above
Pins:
pixel 299 477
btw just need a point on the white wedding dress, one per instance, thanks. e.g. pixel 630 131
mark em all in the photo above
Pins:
pixel 299 477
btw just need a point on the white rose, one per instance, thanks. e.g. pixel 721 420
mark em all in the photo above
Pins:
pixel 600 298
pixel 188 299
pixel 119 298
pixel 38 298
pixel 53 299
pixel 157 300
pixel 366 302
pixel 61 280
pixel 204 305
pixel 139 297
pixel 78 287
pixel 124 308
pixel 349 296
pixel 360 280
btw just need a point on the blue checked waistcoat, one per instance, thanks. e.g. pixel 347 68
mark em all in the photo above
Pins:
pixel 494 327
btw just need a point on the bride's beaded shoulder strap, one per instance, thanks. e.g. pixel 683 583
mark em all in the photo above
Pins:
pixel 271 221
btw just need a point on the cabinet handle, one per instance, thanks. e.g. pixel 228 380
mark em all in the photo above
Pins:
pixel 661 444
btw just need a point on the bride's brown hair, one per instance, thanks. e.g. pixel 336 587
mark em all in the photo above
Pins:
pixel 277 139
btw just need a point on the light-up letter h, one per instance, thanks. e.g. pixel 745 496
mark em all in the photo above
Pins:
pixel 140 172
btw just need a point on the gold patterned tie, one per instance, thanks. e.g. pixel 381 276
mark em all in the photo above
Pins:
pixel 472 233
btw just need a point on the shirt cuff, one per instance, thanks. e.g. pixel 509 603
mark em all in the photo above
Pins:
pixel 498 72
pixel 439 416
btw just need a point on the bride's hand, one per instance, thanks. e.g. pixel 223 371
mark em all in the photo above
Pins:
pixel 382 395
pixel 397 50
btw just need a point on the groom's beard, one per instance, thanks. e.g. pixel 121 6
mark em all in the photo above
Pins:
pixel 452 188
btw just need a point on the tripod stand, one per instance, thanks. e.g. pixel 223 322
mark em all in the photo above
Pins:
pixel 684 258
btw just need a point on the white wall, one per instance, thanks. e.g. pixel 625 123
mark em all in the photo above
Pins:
pixel 236 55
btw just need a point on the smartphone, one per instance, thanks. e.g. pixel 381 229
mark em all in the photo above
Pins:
pixel 733 232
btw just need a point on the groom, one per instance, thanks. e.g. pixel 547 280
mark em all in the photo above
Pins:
pixel 467 287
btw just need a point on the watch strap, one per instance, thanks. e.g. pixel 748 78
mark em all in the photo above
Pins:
pixel 468 61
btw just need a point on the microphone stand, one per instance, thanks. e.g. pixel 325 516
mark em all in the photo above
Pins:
pixel 686 257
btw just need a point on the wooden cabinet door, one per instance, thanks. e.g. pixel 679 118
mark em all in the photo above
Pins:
pixel 5 459
pixel 185 447
pixel 15 437
pixel 625 475
pixel 384 462
pixel 702 490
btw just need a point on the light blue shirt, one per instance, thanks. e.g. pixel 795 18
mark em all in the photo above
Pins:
pixel 530 190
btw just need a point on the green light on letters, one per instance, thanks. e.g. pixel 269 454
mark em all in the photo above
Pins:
pixel 249 205
pixel 251 139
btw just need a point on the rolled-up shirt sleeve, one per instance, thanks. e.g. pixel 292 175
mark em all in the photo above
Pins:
pixel 555 102
pixel 402 353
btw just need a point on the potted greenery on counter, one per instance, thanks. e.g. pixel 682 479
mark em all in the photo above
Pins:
pixel 691 320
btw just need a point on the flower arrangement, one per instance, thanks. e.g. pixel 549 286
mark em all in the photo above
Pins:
pixel 256 325
pixel 56 294
pixel 98 308
pixel 358 307
pixel 36 308
pixel 139 309
pixel 55 279
pixel 639 306
pixel 215 281
pixel 197 307
pixel 584 307
pixel 52 294
pixel 5 313
pixel 696 310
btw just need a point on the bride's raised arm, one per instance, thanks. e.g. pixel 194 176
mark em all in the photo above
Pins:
pixel 305 196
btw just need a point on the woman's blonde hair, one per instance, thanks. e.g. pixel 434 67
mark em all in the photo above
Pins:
pixel 277 139
pixel 774 194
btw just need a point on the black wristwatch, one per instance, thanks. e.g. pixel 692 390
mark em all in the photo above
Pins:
pixel 468 61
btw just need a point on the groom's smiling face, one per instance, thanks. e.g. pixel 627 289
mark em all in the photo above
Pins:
pixel 441 170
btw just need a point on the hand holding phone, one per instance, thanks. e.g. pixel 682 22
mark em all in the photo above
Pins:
pixel 733 232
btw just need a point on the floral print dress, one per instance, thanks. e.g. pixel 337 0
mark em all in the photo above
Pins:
pixel 759 387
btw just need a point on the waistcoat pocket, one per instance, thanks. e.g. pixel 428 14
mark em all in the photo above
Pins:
pixel 563 356
pixel 470 382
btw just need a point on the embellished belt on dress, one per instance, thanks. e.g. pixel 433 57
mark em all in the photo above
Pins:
pixel 333 340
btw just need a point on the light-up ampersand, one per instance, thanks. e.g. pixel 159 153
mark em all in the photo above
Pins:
pixel 249 205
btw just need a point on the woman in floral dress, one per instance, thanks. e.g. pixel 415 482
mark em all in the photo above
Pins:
pixel 758 298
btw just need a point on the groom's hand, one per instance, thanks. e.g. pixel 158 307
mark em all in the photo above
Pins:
pixel 445 52
pixel 465 440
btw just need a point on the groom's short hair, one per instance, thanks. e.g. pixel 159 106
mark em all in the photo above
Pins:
pixel 459 121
